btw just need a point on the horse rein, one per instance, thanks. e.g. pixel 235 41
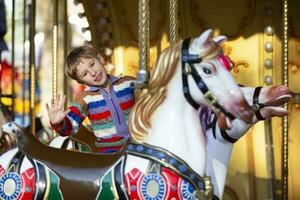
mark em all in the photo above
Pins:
pixel 188 68
pixel 256 105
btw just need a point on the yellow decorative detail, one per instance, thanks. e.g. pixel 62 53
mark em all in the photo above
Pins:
pixel 227 51
pixel 235 69
pixel 294 68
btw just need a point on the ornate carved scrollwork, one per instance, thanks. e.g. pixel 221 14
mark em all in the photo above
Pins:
pixel 241 63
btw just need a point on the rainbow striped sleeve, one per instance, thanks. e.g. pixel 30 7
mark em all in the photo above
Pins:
pixel 73 120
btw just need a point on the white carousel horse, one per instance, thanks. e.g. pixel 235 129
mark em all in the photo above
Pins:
pixel 173 125
pixel 169 156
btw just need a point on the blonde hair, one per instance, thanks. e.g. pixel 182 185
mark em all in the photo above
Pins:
pixel 74 58
pixel 139 118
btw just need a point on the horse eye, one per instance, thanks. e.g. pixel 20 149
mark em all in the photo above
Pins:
pixel 206 70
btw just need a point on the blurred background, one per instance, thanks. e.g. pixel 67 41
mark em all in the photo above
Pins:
pixel 264 42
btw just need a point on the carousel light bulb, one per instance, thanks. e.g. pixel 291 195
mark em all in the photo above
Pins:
pixel 106 36
pixel 268 63
pixel 269 30
pixel 103 20
pixel 268 80
pixel 268 47
pixel 108 51
pixel 101 5
pixel 109 67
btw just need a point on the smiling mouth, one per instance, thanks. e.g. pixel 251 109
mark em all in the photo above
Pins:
pixel 99 77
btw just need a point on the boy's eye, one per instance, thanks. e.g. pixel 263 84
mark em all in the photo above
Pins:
pixel 92 64
pixel 84 74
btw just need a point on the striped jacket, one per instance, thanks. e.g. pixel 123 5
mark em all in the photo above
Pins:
pixel 107 111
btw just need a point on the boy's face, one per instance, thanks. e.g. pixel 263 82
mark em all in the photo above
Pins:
pixel 91 71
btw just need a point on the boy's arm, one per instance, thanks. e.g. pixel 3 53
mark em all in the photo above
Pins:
pixel 72 121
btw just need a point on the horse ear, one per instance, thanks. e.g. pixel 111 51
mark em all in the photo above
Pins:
pixel 204 37
pixel 220 39
pixel 201 41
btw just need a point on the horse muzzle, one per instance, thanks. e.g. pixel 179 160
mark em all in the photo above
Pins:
pixel 241 110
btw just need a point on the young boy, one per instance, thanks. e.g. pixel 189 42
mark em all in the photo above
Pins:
pixel 106 101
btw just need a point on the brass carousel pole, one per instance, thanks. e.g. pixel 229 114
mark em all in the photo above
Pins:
pixel 143 31
pixel 32 67
pixel 13 61
pixel 24 61
pixel 285 119
pixel 65 47
pixel 173 8
pixel 55 49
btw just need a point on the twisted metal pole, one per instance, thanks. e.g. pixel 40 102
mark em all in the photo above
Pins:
pixel 24 61
pixel 66 39
pixel 143 31
pixel 285 132
pixel 13 60
pixel 55 50
pixel 32 67
pixel 173 32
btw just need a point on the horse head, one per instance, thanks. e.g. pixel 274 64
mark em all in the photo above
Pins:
pixel 218 88
pixel 197 71
pixel 12 129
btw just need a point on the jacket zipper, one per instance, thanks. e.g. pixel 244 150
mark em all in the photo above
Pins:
pixel 115 108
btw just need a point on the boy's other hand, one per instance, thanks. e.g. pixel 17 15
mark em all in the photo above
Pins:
pixel 56 111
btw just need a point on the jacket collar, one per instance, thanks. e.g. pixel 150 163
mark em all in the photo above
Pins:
pixel 111 79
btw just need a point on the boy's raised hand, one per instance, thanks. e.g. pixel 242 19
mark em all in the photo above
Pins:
pixel 56 112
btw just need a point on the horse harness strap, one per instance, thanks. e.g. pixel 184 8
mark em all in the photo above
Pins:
pixel 187 63
pixel 256 105
pixel 119 183
pixel 166 159
pixel 224 133
pixel 227 137
pixel 16 161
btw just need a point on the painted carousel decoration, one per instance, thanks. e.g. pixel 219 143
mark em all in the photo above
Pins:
pixel 172 155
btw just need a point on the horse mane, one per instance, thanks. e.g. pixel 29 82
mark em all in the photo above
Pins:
pixel 164 69
pixel 139 118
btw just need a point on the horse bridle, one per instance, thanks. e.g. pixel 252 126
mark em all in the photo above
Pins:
pixel 188 68
pixel 256 105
